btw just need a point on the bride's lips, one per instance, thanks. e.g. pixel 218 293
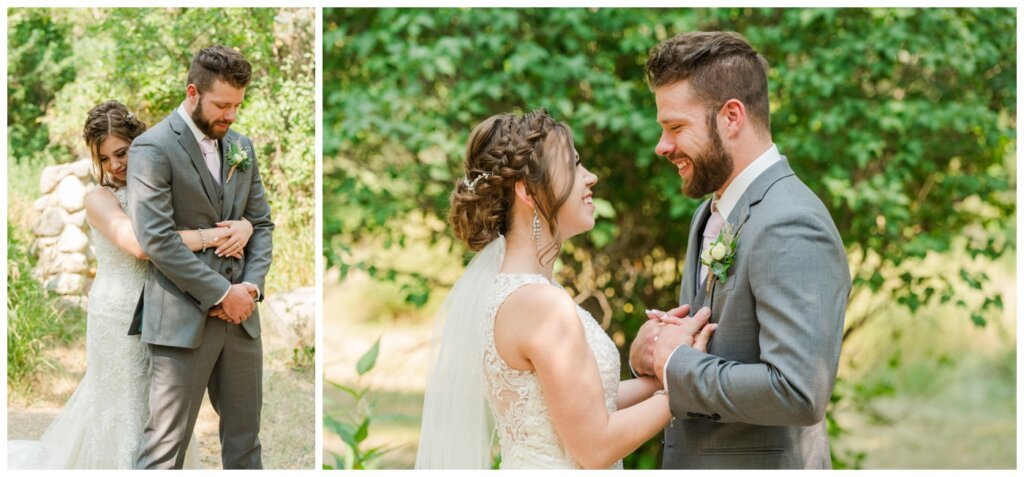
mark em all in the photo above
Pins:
pixel 588 199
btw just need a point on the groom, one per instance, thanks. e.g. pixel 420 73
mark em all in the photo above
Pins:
pixel 757 398
pixel 198 310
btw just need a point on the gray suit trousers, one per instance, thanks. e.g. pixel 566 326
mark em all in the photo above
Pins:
pixel 232 361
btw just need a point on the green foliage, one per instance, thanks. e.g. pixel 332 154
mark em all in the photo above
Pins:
pixel 35 318
pixel 303 358
pixel 38 65
pixel 902 120
pixel 140 57
pixel 354 428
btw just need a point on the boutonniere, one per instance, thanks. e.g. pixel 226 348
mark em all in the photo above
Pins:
pixel 237 159
pixel 719 254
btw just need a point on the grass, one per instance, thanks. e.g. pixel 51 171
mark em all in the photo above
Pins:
pixel 35 320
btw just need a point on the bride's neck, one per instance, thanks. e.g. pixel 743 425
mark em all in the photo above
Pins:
pixel 521 255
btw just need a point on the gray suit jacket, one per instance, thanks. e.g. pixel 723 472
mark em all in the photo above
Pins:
pixel 170 188
pixel 757 399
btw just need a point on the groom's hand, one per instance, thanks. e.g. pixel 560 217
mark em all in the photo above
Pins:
pixel 641 352
pixel 253 291
pixel 218 312
pixel 238 304
pixel 686 333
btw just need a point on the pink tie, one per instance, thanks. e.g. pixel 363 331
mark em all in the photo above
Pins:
pixel 711 230
pixel 212 157
pixel 714 226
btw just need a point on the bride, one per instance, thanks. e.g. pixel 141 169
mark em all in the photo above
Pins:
pixel 101 425
pixel 511 335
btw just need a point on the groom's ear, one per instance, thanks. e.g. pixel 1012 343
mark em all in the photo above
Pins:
pixel 732 117
pixel 192 91
pixel 523 194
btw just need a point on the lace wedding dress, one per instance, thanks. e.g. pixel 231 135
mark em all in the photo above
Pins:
pixel 101 425
pixel 527 435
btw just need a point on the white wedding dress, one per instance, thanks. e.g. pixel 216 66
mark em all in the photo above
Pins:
pixel 527 435
pixel 101 425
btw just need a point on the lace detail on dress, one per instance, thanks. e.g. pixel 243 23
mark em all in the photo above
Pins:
pixel 101 425
pixel 526 433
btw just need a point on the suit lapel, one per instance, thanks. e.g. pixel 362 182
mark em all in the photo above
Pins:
pixel 691 280
pixel 738 217
pixel 228 187
pixel 188 142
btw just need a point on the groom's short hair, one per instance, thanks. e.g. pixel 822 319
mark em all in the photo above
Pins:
pixel 720 65
pixel 219 62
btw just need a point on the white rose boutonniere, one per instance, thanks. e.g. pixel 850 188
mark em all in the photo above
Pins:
pixel 719 255
pixel 238 158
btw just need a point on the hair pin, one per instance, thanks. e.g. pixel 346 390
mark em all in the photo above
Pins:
pixel 471 185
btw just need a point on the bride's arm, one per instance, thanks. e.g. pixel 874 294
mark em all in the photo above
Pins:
pixel 103 212
pixel 636 390
pixel 538 325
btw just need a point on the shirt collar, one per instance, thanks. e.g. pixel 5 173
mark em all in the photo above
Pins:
pixel 192 125
pixel 742 181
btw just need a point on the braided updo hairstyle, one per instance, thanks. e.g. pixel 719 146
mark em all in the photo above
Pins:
pixel 110 118
pixel 531 148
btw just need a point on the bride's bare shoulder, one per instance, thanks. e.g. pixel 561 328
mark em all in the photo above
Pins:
pixel 541 305
pixel 100 199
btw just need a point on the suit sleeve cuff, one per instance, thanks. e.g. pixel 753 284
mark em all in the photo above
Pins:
pixel 664 371
pixel 225 295
pixel 259 293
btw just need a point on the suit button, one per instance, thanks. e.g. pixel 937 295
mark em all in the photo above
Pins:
pixel 691 415
pixel 715 417
pixel 227 270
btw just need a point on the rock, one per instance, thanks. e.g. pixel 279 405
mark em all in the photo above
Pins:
pixel 50 223
pixel 41 203
pixel 52 176
pixel 67 284
pixel 72 263
pixel 41 244
pixel 81 168
pixel 72 239
pixel 288 320
pixel 77 219
pixel 71 193
pixel 73 301
pixel 46 262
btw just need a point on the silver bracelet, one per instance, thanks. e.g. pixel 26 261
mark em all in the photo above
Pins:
pixel 202 238
pixel 661 392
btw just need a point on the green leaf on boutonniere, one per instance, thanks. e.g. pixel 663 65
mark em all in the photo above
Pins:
pixel 238 158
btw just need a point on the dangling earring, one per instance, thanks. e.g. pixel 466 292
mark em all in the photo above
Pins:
pixel 536 229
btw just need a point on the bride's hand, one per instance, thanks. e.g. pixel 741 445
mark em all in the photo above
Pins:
pixel 234 239
pixel 700 342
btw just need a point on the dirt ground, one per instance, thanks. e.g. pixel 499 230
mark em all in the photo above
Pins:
pixel 287 430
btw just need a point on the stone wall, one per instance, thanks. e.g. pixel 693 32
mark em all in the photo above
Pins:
pixel 66 263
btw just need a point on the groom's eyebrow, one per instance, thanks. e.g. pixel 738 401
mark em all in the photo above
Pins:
pixel 670 119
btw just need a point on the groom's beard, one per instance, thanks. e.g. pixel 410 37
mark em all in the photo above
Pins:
pixel 205 125
pixel 711 167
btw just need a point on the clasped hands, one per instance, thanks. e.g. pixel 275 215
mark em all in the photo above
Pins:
pixel 663 333
pixel 239 303
pixel 232 240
